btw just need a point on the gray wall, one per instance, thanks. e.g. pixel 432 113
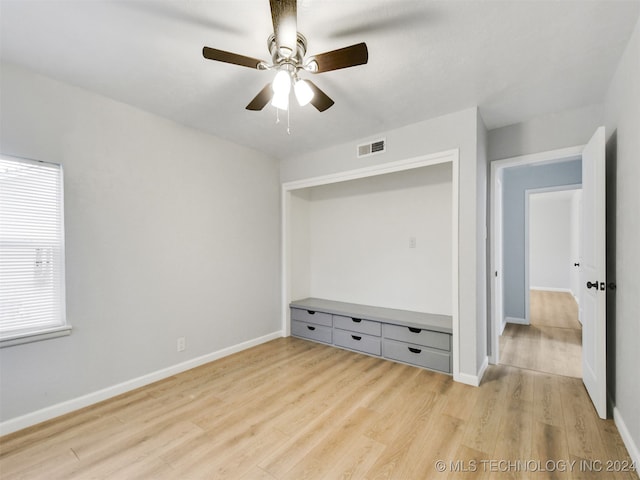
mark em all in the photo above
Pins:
pixel 548 132
pixel 482 242
pixel 622 113
pixel 168 232
pixel 516 181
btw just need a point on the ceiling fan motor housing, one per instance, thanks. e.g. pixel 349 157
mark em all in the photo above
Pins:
pixel 279 60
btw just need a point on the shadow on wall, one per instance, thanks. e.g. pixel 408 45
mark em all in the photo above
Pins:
pixel 611 208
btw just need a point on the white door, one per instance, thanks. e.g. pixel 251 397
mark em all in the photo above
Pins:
pixel 592 272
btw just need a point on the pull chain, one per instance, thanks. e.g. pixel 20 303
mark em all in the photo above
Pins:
pixel 288 120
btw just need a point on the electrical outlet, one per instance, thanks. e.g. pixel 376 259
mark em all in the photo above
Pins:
pixel 412 242
pixel 182 344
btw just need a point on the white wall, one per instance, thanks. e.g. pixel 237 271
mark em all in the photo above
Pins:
pixel 457 130
pixel 622 113
pixel 300 244
pixel 550 240
pixel 360 233
pixel 169 232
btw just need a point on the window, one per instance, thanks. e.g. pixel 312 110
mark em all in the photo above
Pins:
pixel 32 298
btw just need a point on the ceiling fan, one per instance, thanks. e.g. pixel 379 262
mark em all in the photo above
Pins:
pixel 288 48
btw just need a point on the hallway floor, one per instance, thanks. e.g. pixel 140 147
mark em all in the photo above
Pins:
pixel 553 341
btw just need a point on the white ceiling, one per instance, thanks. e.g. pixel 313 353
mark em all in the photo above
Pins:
pixel 515 59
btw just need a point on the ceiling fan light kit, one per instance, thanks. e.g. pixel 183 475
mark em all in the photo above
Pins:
pixel 288 48
pixel 281 83
pixel 303 92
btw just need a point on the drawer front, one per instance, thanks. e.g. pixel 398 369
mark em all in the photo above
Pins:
pixel 360 325
pixel 417 355
pixel 359 342
pixel 319 333
pixel 427 338
pixel 311 316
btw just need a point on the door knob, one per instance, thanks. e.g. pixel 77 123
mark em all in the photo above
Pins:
pixel 592 285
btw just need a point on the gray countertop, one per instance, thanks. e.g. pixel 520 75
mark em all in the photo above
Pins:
pixel 429 321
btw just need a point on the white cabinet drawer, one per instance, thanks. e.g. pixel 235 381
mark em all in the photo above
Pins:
pixel 319 333
pixel 311 316
pixel 417 355
pixel 357 341
pixel 360 325
pixel 417 336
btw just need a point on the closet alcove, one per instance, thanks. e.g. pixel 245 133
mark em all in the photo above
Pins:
pixel 383 236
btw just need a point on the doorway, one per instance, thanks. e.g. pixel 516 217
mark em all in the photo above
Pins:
pixel 510 180
pixel 550 341
pixel 591 158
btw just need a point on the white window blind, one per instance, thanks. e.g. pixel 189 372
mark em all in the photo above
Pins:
pixel 31 248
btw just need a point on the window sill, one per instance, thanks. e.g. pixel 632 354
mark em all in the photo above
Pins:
pixel 36 336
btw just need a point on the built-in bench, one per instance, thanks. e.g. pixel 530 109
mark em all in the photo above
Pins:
pixel 416 338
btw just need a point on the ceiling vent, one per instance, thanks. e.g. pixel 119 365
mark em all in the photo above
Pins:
pixel 372 148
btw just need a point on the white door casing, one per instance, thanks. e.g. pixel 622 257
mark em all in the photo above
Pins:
pixel 497 273
pixel 593 271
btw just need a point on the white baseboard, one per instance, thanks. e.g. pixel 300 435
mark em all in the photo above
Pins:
pixel 632 447
pixel 53 411
pixel 553 289
pixel 518 320
pixel 473 380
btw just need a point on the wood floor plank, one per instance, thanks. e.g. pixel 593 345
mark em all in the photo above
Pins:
pixel 550 444
pixel 581 420
pixel 296 409
pixel 547 404
pixel 553 309
pixel 483 425
pixel 468 464
pixel 439 440
pixel 514 436
pixel 401 432
pixel 357 459
pixel 308 434
pixel 461 400
pixel 333 448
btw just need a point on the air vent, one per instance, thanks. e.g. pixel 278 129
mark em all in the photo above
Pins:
pixel 366 149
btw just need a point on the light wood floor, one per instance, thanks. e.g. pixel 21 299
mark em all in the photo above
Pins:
pixel 553 341
pixel 293 409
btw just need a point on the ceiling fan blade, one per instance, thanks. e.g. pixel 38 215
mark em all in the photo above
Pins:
pixel 261 100
pixel 284 15
pixel 320 99
pixel 228 57
pixel 351 56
